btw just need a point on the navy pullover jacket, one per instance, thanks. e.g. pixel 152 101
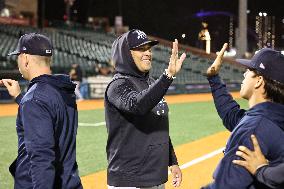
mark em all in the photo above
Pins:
pixel 47 124
pixel 139 149
pixel 265 120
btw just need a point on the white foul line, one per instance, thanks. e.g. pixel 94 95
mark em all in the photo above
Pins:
pixel 184 166
pixel 92 124
pixel 200 159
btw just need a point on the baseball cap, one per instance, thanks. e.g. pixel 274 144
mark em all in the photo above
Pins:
pixel 269 62
pixel 137 38
pixel 33 44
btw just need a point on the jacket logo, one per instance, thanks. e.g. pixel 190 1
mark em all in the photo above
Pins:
pixel 140 34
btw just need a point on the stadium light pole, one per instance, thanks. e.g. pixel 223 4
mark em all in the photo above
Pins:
pixel 242 30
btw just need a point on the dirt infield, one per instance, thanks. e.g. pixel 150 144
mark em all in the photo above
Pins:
pixel 11 109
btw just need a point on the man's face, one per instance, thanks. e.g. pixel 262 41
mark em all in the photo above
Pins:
pixel 22 59
pixel 248 84
pixel 142 57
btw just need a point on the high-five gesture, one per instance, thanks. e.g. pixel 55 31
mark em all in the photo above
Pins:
pixel 215 67
pixel 175 62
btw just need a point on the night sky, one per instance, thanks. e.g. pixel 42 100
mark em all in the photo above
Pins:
pixel 170 18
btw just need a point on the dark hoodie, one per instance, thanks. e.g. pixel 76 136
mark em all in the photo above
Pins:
pixel 47 124
pixel 265 120
pixel 139 148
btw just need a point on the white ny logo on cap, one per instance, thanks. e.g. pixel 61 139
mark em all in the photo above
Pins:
pixel 141 34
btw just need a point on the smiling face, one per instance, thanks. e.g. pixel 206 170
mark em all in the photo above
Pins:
pixel 142 57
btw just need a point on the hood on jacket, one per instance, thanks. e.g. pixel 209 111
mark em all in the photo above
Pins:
pixel 122 58
pixel 270 110
pixel 61 82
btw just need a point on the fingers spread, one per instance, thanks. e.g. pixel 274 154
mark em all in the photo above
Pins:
pixel 182 57
pixel 245 150
pixel 240 162
pixel 243 155
pixel 255 143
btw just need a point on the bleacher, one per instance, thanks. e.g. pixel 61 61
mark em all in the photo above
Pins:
pixel 92 49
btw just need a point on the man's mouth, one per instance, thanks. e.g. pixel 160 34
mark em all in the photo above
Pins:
pixel 146 60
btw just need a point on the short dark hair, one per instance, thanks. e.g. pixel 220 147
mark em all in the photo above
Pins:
pixel 274 90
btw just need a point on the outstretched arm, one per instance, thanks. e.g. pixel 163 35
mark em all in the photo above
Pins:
pixel 124 95
pixel 227 108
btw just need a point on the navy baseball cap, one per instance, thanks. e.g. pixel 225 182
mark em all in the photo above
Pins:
pixel 268 62
pixel 137 38
pixel 33 44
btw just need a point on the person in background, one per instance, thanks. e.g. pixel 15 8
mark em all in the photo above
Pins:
pixel 76 76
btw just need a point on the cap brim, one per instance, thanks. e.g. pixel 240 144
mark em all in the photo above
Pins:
pixel 245 62
pixel 14 53
pixel 150 42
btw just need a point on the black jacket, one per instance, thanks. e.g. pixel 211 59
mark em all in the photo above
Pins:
pixel 272 176
pixel 139 148
pixel 47 124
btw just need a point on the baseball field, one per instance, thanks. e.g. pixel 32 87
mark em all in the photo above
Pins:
pixel 195 128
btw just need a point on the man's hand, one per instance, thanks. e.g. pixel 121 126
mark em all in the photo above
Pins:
pixel 12 86
pixel 215 67
pixel 175 62
pixel 177 175
pixel 253 159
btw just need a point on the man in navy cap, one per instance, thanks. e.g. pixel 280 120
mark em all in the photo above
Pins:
pixel 263 87
pixel 47 120
pixel 139 149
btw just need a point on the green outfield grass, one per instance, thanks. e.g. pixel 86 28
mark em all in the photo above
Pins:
pixel 188 122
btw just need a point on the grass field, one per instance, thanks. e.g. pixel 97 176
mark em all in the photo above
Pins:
pixel 188 122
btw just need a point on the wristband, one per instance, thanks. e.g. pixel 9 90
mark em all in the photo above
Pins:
pixel 167 75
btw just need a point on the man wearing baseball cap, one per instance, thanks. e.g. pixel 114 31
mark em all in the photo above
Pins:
pixel 47 120
pixel 263 87
pixel 139 149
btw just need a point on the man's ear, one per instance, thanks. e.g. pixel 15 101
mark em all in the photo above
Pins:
pixel 259 82
pixel 26 60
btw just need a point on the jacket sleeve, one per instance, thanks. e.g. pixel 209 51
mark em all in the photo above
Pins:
pixel 227 108
pixel 40 144
pixel 172 154
pixel 272 177
pixel 19 98
pixel 122 94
